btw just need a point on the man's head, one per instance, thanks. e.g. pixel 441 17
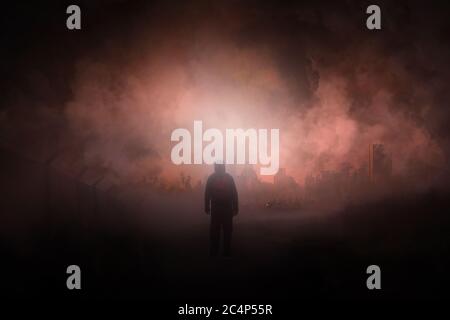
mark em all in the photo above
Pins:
pixel 219 167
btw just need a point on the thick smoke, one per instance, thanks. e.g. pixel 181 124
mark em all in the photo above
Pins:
pixel 312 70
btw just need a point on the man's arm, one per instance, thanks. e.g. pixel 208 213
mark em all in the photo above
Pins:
pixel 235 199
pixel 208 196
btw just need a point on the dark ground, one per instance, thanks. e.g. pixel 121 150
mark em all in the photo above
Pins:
pixel 160 252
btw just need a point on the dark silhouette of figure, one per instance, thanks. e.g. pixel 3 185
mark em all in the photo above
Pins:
pixel 221 202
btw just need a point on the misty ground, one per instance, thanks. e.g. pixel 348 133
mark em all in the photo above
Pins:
pixel 277 255
pixel 158 249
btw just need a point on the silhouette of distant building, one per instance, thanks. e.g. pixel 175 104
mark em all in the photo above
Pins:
pixel 281 180
pixel 380 163
pixel 248 178
pixel 286 190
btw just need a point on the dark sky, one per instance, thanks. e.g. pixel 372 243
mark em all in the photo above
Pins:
pixel 389 85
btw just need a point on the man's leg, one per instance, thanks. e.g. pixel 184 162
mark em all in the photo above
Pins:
pixel 227 224
pixel 214 235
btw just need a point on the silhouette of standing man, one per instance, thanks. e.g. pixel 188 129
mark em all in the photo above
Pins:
pixel 221 202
